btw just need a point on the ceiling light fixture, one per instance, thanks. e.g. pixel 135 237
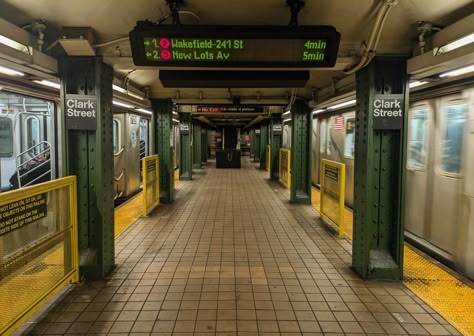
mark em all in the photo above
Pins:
pixel 416 84
pixel 344 104
pixel 48 83
pixel 10 72
pixel 15 45
pixel 463 41
pixel 115 102
pixel 118 88
pixel 318 111
pixel 144 111
pixel 458 72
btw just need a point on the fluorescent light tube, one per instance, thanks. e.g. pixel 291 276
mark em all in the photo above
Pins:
pixel 48 83
pixel 416 83
pixel 176 121
pixel 122 104
pixel 15 45
pixel 455 44
pixel 318 111
pixel 10 72
pixel 344 104
pixel 286 113
pixel 118 88
pixel 458 72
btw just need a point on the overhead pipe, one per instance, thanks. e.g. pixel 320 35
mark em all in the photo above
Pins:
pixel 371 47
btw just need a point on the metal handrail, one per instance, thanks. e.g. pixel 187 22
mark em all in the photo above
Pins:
pixel 20 165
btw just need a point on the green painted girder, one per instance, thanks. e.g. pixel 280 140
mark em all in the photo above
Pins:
pixel 197 143
pixel 300 189
pixel 263 145
pixel 379 169
pixel 89 155
pixel 203 145
pixel 185 151
pixel 275 142
pixel 163 108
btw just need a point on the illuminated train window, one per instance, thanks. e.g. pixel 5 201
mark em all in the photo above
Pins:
pixel 33 135
pixel 452 137
pixel 6 137
pixel 349 141
pixel 116 129
pixel 322 144
pixel 417 138
pixel 329 136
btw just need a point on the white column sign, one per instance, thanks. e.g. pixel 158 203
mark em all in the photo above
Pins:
pixel 81 112
pixel 388 111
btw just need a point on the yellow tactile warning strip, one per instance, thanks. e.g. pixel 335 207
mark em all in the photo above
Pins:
pixel 128 213
pixel 18 289
pixel 450 297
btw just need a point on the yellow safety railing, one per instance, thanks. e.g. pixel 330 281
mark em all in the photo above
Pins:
pixel 269 158
pixel 285 167
pixel 333 181
pixel 151 183
pixel 38 248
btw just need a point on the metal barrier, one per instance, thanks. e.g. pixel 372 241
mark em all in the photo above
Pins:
pixel 151 183
pixel 333 181
pixel 38 248
pixel 269 158
pixel 285 166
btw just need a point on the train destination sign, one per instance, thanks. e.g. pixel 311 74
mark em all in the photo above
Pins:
pixel 230 109
pixel 388 112
pixel 234 46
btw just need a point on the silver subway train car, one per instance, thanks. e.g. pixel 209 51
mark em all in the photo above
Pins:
pixel 439 216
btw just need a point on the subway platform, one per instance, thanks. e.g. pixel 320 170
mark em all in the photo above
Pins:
pixel 231 256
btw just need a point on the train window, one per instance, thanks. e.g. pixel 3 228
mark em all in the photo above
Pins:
pixel 329 133
pixel 349 142
pixel 116 136
pixel 322 144
pixel 143 138
pixel 417 139
pixel 452 139
pixel 32 135
pixel 6 137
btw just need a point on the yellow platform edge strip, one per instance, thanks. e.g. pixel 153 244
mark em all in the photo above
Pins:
pixel 448 296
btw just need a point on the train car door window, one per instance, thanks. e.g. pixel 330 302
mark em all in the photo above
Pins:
pixel 116 135
pixel 143 138
pixel 322 144
pixel 349 142
pixel 32 135
pixel 454 114
pixel 6 137
pixel 329 136
pixel 417 138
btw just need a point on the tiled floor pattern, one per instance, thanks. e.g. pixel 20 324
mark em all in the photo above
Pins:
pixel 232 257
pixel 453 298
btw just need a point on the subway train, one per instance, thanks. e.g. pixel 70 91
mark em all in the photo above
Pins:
pixel 439 170
pixel 29 147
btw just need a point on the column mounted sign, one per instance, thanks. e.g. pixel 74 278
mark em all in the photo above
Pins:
pixel 388 112
pixel 81 112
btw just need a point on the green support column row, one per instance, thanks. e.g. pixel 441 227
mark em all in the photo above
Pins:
pixel 89 155
pixel 203 145
pixel 256 157
pixel 300 190
pixel 275 143
pixel 263 145
pixel 380 157
pixel 163 108
pixel 185 151
pixel 209 143
pixel 252 143
pixel 197 139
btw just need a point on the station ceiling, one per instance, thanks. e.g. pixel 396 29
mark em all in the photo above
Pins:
pixel 112 19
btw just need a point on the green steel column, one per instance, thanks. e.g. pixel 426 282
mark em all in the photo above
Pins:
pixel 208 144
pixel 89 155
pixel 380 157
pixel 256 157
pixel 197 139
pixel 276 135
pixel 203 145
pixel 300 191
pixel 252 143
pixel 263 145
pixel 185 152
pixel 163 108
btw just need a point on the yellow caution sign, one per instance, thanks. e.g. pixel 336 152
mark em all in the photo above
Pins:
pixel 151 183
pixel 333 180
pixel 285 166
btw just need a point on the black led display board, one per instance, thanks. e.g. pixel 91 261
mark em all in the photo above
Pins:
pixel 234 46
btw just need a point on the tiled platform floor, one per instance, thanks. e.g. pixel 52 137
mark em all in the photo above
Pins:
pixel 232 257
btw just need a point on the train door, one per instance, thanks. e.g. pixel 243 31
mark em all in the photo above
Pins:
pixel 144 136
pixel 349 153
pixel 447 183
pixel 315 153
pixel 421 119
pixel 132 154
pixel 119 158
